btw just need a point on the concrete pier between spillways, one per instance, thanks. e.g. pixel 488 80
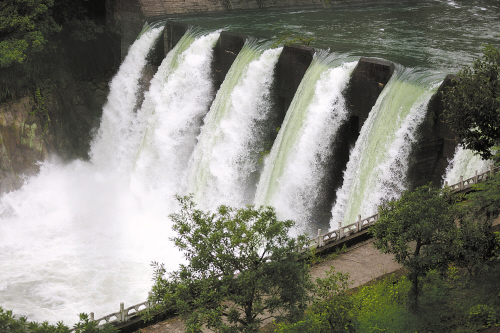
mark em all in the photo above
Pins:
pixel 429 157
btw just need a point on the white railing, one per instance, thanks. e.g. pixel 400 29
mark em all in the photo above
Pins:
pixel 361 224
pixel 321 240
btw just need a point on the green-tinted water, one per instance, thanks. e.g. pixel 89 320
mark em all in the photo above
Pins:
pixel 441 35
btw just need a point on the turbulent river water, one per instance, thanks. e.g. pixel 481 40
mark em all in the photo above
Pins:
pixel 79 236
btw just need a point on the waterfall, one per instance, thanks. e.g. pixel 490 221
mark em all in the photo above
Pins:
pixel 378 164
pixel 171 116
pixel 112 147
pixel 79 237
pixel 464 163
pixel 294 174
pixel 226 159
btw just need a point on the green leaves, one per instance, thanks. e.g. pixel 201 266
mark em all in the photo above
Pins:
pixel 472 106
pixel 419 229
pixel 241 266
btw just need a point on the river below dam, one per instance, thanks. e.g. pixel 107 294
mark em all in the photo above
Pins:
pixel 80 236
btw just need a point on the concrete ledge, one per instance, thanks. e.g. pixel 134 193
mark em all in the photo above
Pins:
pixel 225 52
pixel 367 82
pixel 290 69
pixel 172 34
pixel 430 159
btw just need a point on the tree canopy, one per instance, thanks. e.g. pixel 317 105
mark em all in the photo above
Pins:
pixel 472 105
pixel 242 268
pixel 419 230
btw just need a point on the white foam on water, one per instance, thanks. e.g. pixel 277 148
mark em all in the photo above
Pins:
pixel 295 169
pixel 464 163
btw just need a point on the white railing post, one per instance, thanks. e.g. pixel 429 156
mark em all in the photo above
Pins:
pixel 319 241
pixel 358 225
pixel 475 178
pixel 341 232
pixel 461 184
pixel 92 317
pixel 122 312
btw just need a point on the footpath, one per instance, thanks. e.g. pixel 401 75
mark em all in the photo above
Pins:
pixel 363 263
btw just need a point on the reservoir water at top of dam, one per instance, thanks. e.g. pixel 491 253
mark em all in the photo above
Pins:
pixel 80 236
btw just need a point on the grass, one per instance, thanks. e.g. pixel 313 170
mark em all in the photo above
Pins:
pixel 450 302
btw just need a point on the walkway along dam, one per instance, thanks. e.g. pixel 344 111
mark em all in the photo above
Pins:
pixel 205 105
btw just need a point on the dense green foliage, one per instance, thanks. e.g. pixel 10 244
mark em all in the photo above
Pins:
pixel 26 27
pixel 449 303
pixel 419 229
pixel 472 105
pixel 10 324
pixel 484 201
pixel 242 268
pixel 36 38
pixel 332 309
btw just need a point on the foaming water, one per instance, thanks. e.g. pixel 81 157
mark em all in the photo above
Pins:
pixel 76 239
pixel 80 237
pixel 295 169
pixel 378 164
pixel 171 117
pixel 464 163
pixel 113 146
pixel 226 159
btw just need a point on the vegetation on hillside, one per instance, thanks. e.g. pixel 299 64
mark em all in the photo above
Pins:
pixel 35 37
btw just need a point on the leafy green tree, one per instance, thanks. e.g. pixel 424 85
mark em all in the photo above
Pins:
pixel 25 27
pixel 242 268
pixel 484 201
pixel 419 229
pixel 472 105
pixel 475 245
pixel 332 310
pixel 10 324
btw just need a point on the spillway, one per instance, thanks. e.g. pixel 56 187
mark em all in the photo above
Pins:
pixel 79 236
pixel 225 165
pixel 295 171
pixel 378 164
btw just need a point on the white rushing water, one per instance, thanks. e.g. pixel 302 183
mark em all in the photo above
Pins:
pixel 226 159
pixel 80 237
pixel 113 147
pixel 295 169
pixel 171 117
pixel 378 164
pixel 464 163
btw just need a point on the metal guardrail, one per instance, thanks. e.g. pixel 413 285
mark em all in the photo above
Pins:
pixel 321 240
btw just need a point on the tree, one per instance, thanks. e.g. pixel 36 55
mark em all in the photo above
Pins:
pixel 25 27
pixel 332 310
pixel 419 229
pixel 242 267
pixel 472 105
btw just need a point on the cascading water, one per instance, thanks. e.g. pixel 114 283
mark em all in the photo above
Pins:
pixel 80 237
pixel 464 163
pixel 113 147
pixel 171 116
pixel 226 160
pixel 295 169
pixel 378 164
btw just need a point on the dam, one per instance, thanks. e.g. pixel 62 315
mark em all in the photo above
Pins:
pixel 323 133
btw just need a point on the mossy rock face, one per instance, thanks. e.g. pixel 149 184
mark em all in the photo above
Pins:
pixel 21 142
